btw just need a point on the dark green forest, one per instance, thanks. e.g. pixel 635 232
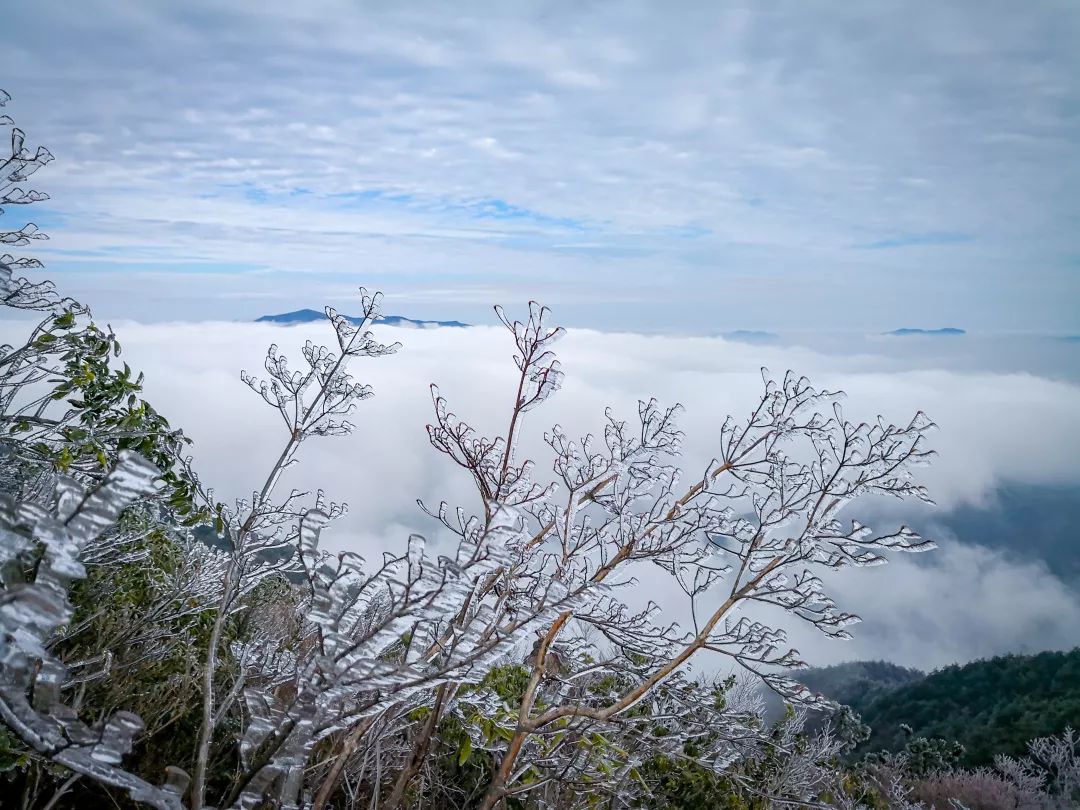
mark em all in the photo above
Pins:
pixel 990 707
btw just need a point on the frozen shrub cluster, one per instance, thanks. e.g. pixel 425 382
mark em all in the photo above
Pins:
pixel 163 648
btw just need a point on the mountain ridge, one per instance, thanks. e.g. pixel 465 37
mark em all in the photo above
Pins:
pixel 312 315
pixel 907 331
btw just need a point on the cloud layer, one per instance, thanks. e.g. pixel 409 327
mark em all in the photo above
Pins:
pixel 762 166
pixel 961 602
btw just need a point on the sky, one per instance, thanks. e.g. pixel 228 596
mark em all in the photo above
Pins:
pixel 684 168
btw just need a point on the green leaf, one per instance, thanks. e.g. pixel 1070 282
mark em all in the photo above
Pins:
pixel 464 751
pixel 65 321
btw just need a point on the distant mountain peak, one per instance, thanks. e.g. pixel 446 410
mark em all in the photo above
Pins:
pixel 751 336
pixel 298 316
pixel 312 316
pixel 907 330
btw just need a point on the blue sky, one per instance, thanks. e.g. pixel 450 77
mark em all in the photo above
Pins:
pixel 695 167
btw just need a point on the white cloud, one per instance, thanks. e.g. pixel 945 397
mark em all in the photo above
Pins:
pixel 993 427
pixel 958 603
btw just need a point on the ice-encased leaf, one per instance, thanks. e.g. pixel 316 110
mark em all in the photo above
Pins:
pixel 31 678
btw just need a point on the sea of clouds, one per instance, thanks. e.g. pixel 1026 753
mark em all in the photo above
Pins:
pixel 961 602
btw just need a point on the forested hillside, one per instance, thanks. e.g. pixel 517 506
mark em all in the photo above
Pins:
pixel 990 707
pixel 852 683
pixel 856 683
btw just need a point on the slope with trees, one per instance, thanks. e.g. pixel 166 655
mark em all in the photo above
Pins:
pixel 856 683
pixel 990 707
